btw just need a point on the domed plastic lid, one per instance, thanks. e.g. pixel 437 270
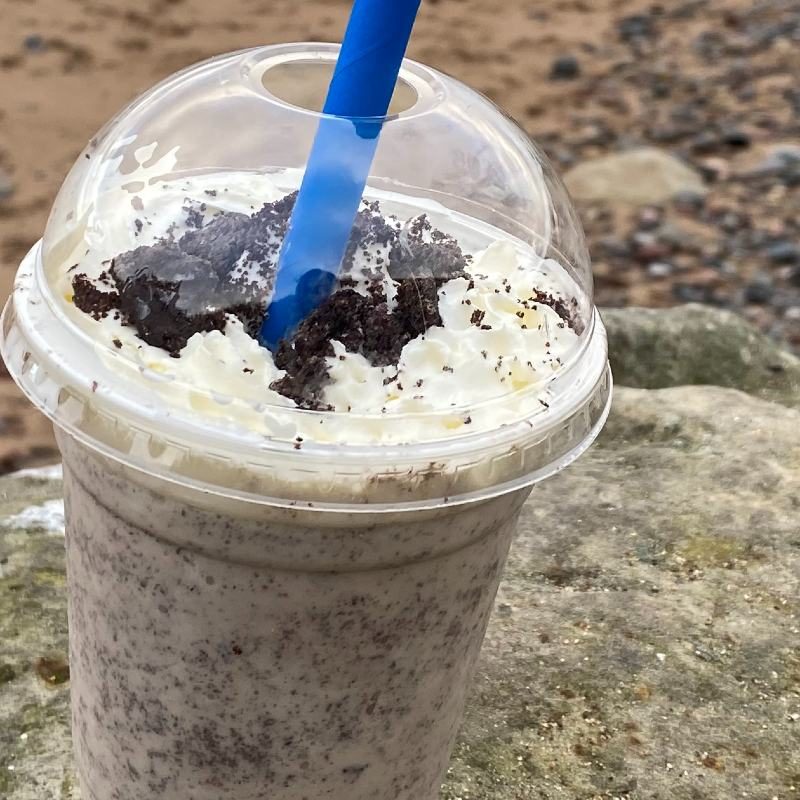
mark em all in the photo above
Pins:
pixel 458 355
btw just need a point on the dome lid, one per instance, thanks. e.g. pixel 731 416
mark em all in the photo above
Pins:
pixel 462 321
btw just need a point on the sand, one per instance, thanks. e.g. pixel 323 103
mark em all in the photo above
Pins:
pixel 66 66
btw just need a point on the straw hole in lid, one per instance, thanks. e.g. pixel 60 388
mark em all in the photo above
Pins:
pixel 304 84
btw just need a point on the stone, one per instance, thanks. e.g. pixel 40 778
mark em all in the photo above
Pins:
pixel 782 161
pixel 6 185
pixel 565 68
pixel 636 27
pixel 689 201
pixel 34 43
pixel 644 176
pixel 645 639
pixel 736 137
pixel 693 344
pixel 760 289
pixel 783 252
pixel 660 269
pixel 705 142
pixel 693 292
pixel 35 747
pixel 654 588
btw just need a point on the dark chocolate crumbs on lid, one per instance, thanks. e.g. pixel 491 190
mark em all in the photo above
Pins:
pixel 91 300
pixel 176 287
pixel 194 217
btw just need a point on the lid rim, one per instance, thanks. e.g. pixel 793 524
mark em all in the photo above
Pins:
pixel 592 403
pixel 29 282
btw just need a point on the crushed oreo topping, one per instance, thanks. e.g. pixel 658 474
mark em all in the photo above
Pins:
pixel 225 263
pixel 567 310
pixel 171 289
pixel 364 324
pixel 91 300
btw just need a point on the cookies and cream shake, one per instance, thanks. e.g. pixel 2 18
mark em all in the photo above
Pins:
pixel 281 564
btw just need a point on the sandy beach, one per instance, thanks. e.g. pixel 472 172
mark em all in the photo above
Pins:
pixel 713 83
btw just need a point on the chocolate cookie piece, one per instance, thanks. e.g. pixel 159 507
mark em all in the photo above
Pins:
pixel 567 310
pixel 163 293
pixel 172 289
pixel 168 295
pixel 421 251
pixel 221 242
pixel 91 300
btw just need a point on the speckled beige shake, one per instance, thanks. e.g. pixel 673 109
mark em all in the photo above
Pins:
pixel 282 654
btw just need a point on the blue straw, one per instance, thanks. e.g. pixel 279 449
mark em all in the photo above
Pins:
pixel 338 166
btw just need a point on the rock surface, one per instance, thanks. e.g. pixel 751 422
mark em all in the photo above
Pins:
pixel 693 344
pixel 645 642
pixel 35 747
pixel 641 176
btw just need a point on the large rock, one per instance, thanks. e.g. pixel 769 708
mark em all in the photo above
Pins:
pixel 645 642
pixel 642 176
pixel 35 749
pixel 693 344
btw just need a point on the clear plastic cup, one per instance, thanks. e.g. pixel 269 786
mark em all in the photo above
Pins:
pixel 269 601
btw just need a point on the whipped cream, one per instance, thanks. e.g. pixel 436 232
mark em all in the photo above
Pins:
pixel 491 360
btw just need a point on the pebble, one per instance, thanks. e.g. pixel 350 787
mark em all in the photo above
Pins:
pixel 688 201
pixel 716 168
pixel 647 247
pixel 792 314
pixel 565 68
pixel 735 137
pixel 650 217
pixel 6 185
pixel 784 252
pixel 760 290
pixel 704 142
pixel 783 162
pixel 689 293
pixel 673 236
pixel 614 247
pixel 731 222
pixel 660 269
pixel 636 26
pixel 34 43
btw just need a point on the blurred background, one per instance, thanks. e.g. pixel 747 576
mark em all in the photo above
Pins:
pixel 709 214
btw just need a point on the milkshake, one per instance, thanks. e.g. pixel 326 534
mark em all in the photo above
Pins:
pixel 281 564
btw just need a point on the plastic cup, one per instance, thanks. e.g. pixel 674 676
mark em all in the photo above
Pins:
pixel 252 615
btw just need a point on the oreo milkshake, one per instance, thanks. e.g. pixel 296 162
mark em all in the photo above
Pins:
pixel 281 565
pixel 216 654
